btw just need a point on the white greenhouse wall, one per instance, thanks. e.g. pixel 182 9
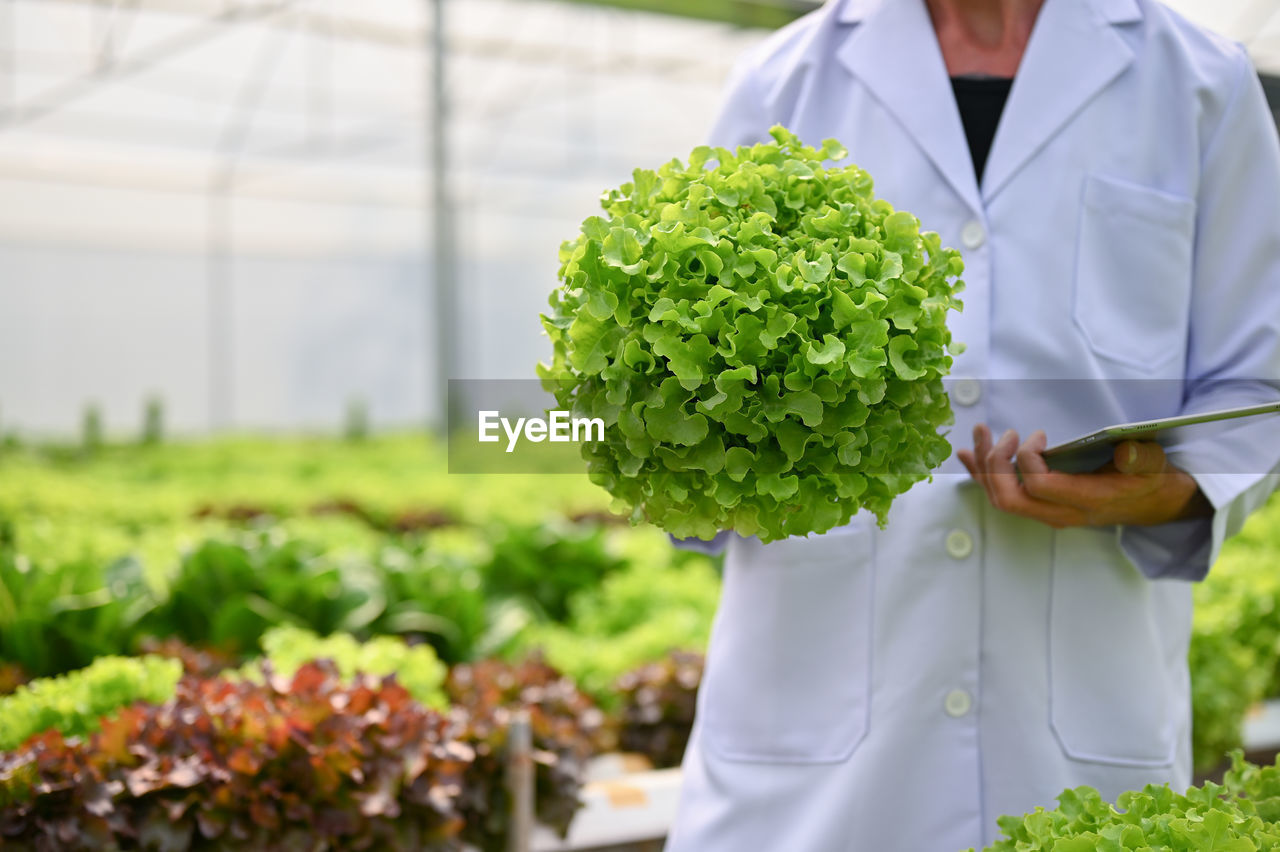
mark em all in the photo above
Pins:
pixel 107 222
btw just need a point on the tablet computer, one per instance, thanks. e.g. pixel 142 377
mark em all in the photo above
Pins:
pixel 1092 451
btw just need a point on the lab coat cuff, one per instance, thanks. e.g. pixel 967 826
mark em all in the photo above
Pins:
pixel 1235 496
pixel 1178 550
pixel 1185 550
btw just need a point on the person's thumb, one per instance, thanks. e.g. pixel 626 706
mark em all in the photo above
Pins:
pixel 1140 457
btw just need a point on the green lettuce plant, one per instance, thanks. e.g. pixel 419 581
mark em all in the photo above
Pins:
pixel 1236 816
pixel 416 668
pixel 764 340
pixel 631 618
pixel 75 703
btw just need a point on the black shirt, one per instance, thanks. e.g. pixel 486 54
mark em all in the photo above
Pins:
pixel 981 101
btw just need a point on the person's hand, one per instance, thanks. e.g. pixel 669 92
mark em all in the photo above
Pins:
pixel 1138 486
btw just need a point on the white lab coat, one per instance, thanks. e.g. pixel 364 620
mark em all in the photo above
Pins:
pixel 897 690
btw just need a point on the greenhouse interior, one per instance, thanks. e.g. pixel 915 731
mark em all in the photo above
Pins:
pixel 254 254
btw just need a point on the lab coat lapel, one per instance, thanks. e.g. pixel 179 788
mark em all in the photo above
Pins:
pixel 1074 52
pixel 895 54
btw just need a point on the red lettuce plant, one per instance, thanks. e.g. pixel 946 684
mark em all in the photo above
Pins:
pixel 658 706
pixel 306 763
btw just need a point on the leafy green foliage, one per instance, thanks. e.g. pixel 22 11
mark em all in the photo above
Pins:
pixel 99 553
pixel 301 763
pixel 55 618
pixel 129 499
pixel 659 700
pixel 416 667
pixel 436 595
pixel 1239 816
pixel 664 601
pixel 546 564
pixel 74 703
pixel 1235 642
pixel 259 581
pixel 90 545
pixel 464 604
pixel 764 340
pixel 1228 677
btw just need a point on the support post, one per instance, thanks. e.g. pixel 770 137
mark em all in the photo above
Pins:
pixel 443 311
pixel 219 248
pixel 220 312
pixel 520 780
pixel 8 58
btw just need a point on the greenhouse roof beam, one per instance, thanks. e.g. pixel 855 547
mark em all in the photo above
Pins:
pixel 750 13
pixel 412 38
pixel 769 14
pixel 354 29
pixel 83 84
pixel 1253 19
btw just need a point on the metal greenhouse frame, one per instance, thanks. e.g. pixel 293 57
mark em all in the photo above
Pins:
pixel 107 54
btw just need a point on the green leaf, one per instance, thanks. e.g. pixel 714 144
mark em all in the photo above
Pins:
pixel 738 462
pixel 621 248
pixel 778 326
pixel 687 358
pixel 899 346
pixel 670 423
pixel 593 343
pixel 831 351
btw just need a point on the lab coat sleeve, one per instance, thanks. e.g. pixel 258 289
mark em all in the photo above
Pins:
pixel 1233 355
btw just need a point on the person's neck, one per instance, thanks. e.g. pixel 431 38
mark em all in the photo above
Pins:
pixel 983 36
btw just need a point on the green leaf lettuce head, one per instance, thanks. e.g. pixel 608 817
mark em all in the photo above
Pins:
pixel 416 667
pixel 75 703
pixel 1236 816
pixel 764 340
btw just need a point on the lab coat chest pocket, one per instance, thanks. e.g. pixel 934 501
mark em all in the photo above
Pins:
pixel 1111 693
pixel 1133 272
pixel 788 668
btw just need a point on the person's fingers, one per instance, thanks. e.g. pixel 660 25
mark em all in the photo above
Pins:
pixel 1002 477
pixel 981 444
pixel 1009 495
pixel 981 448
pixel 1001 449
pixel 1037 478
pixel 1140 457
pixel 1078 490
pixel 966 459
pixel 1029 458
pixel 1081 490
pixel 1057 515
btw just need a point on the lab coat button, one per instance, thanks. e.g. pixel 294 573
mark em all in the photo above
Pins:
pixel 966 391
pixel 973 235
pixel 957 703
pixel 959 544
